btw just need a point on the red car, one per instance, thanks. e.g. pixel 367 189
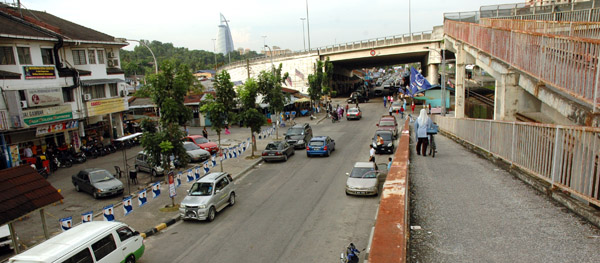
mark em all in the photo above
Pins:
pixel 388 123
pixel 203 143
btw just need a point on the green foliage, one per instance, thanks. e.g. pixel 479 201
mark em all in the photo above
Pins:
pixel 270 86
pixel 319 83
pixel 140 61
pixel 250 115
pixel 168 89
pixel 220 110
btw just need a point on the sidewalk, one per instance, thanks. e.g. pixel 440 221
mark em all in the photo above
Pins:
pixel 153 213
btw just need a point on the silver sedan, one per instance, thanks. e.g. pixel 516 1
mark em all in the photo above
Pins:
pixel 277 150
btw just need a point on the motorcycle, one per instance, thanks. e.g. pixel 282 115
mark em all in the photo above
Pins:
pixel 334 117
pixel 88 151
pixel 351 255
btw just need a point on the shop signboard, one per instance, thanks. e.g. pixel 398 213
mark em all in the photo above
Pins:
pixel 56 127
pixel 46 115
pixel 44 97
pixel 39 72
pixel 103 107
pixel 4 120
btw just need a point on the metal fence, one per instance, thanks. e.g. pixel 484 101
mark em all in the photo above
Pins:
pixel 379 42
pixel 586 11
pixel 567 157
pixel 572 29
pixel 568 63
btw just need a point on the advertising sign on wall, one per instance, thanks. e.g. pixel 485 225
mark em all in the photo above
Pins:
pixel 39 72
pixel 44 97
pixel 57 127
pixel 103 107
pixel 47 115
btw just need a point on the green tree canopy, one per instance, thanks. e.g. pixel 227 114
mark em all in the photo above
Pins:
pixel 250 116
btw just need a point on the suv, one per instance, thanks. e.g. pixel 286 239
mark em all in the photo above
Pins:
pixel 298 135
pixel 387 122
pixel 142 164
pixel 357 97
pixel 208 195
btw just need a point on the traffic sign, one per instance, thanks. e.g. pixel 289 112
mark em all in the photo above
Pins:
pixel 373 52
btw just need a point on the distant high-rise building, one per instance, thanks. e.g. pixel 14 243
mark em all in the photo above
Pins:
pixel 224 40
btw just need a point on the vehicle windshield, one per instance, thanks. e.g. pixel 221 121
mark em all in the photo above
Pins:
pixel 353 110
pixel 362 172
pixel 272 146
pixel 316 143
pixel 397 104
pixel 201 189
pixel 387 136
pixel 100 176
pixel 294 131
pixel 386 123
pixel 190 146
pixel 201 140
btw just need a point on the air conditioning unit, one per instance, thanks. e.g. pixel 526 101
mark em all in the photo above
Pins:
pixel 110 54
pixel 23 104
pixel 87 97
pixel 112 63
pixel 123 93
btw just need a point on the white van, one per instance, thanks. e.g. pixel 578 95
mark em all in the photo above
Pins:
pixel 97 241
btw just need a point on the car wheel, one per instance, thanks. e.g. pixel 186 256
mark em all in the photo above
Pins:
pixel 137 168
pixel 153 173
pixel 130 259
pixel 307 155
pixel 285 157
pixel 232 199
pixel 211 214
pixel 327 154
pixel 95 194
pixel 77 188
pixel 347 193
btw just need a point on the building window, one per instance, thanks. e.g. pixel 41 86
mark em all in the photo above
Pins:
pixel 92 56
pixel 24 55
pixel 100 56
pixel 79 57
pixel 67 94
pixel 113 89
pixel 7 57
pixel 47 56
pixel 97 91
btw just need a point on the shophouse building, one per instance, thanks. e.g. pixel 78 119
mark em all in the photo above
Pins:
pixel 60 82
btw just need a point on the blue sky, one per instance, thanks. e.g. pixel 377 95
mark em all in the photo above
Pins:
pixel 193 24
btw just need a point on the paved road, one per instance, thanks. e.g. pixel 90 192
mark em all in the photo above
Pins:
pixel 295 211
pixel 472 211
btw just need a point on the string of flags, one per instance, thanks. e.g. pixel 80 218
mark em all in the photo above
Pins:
pixel 191 174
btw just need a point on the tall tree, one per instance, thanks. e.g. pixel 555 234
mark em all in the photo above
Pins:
pixel 250 116
pixel 270 85
pixel 220 110
pixel 167 90
pixel 315 84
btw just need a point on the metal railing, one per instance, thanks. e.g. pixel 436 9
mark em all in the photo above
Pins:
pixel 586 11
pixel 379 42
pixel 568 63
pixel 567 157
pixel 355 45
pixel 572 29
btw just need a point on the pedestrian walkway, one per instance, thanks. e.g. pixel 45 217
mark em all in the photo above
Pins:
pixel 466 209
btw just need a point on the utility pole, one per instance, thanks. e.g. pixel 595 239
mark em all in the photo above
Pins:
pixel 303 34
pixel 264 44
pixel 215 52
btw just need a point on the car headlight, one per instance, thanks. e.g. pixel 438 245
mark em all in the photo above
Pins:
pixel 374 144
pixel 390 144
pixel 300 141
pixel 202 206
pixel 159 169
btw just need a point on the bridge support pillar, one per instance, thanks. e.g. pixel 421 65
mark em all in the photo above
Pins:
pixel 459 97
pixel 507 97
pixel 432 74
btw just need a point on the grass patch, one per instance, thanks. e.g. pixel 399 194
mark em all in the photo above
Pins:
pixel 170 208
pixel 252 157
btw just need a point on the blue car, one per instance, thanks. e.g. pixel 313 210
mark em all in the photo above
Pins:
pixel 320 145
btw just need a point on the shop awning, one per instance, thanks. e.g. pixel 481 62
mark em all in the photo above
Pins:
pixel 91 82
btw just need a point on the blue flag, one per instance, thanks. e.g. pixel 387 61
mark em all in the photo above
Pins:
pixel 418 83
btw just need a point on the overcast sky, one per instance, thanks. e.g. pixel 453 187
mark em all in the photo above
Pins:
pixel 193 23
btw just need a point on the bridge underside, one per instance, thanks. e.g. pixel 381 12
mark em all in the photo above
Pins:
pixel 378 61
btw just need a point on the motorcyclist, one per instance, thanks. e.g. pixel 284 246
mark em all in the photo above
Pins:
pixel 352 253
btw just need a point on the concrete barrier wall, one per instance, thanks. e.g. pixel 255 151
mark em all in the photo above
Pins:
pixel 390 237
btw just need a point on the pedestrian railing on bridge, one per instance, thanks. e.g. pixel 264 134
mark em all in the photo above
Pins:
pixel 590 30
pixel 583 11
pixel 378 42
pixel 567 63
pixel 568 157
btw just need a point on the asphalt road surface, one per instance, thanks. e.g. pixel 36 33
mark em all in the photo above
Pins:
pixel 294 211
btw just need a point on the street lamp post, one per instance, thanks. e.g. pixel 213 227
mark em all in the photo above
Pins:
pixel 264 44
pixel 273 73
pixel 215 51
pixel 443 86
pixel 144 44
pixel 307 25
pixel 303 34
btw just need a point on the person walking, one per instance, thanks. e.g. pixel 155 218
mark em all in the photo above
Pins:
pixel 402 112
pixel 412 107
pixel 389 166
pixel 205 133
pixel 390 110
pixel 371 153
pixel 429 108
pixel 421 125
pixel 384 101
